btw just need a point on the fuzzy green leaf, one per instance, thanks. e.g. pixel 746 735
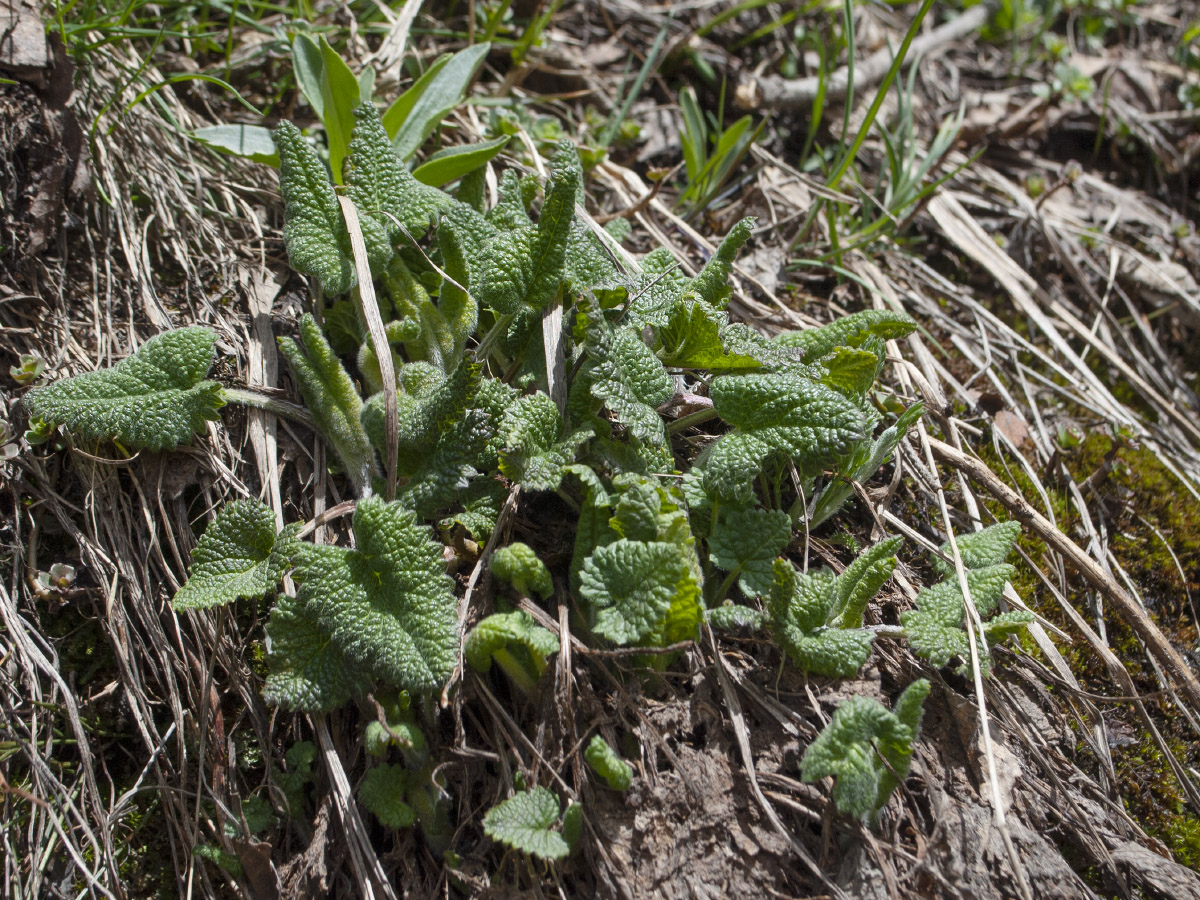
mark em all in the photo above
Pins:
pixel 572 824
pixel 987 547
pixel 607 763
pixel 712 283
pixel 936 628
pixel 511 212
pixel 382 792
pixel 643 592
pixel 862 746
pixel 647 510
pixel 481 504
pixel 848 331
pixel 442 478
pixel 383 189
pixel 630 380
pixel 155 399
pixel 589 266
pixel 810 614
pixel 777 415
pixel 659 288
pixel 861 581
pixel 457 307
pixel 519 565
pixel 691 339
pixel 732 616
pixel 851 371
pixel 307 672
pixel 318 243
pixel 525 822
pixel 400 731
pixel 236 558
pixel 524 268
pixel 388 604
pixel 502 630
pixel 375 183
pixel 330 395
pixel 747 540
pixel 536 453
pixel 429 407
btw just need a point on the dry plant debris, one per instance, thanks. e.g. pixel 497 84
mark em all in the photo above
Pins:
pixel 1045 244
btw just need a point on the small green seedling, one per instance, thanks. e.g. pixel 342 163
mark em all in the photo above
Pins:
pixel 299 775
pixel 817 618
pixel 607 763
pixel 533 823
pixel 867 749
pixel 516 643
pixel 518 565
pixel 29 369
pixel 382 792
pixel 936 629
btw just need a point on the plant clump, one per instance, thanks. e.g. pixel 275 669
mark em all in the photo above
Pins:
pixel 519 350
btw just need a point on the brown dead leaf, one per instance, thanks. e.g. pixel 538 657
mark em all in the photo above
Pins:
pixel 1014 427
pixel 255 857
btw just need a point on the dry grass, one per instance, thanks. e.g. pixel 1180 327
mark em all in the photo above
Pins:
pixel 132 735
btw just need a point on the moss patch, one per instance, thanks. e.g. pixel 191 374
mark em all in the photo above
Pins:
pixel 1154 533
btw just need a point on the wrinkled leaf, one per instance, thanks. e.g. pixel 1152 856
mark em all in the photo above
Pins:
pixel 306 670
pixel 155 399
pixel 235 559
pixel 388 604
pixel 862 746
pixel 525 822
pixel 607 763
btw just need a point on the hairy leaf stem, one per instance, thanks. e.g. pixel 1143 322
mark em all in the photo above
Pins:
pixel 488 343
pixel 282 408
pixel 697 418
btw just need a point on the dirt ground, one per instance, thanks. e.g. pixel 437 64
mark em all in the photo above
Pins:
pixel 1051 270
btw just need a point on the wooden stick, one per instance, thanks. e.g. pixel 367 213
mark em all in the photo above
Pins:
pixel 773 92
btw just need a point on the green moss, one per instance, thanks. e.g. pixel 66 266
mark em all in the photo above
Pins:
pixel 1183 837
pixel 1156 538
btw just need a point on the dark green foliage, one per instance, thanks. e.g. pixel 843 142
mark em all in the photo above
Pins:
pixel 314 230
pixel 155 399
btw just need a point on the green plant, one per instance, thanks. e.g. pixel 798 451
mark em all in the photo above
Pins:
pixel 937 628
pixel 1067 82
pixel 527 822
pixel 333 92
pixel 711 152
pixel 155 399
pixel 607 763
pixel 818 618
pixel 867 749
pixel 470 388
pixel 30 369
pixel 788 406
pixel 518 565
pixel 516 643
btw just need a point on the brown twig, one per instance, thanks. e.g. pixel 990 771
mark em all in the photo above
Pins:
pixel 774 92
